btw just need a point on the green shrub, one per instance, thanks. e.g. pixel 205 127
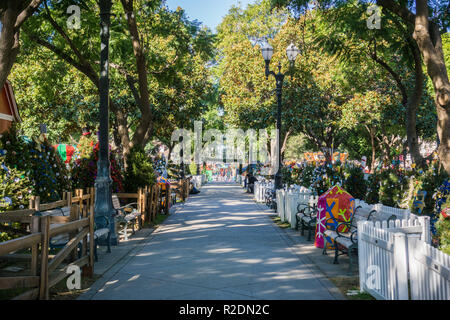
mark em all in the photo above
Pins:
pixel 373 188
pixel 306 177
pixel 392 187
pixel 443 229
pixel 429 181
pixel 354 182
pixel 140 170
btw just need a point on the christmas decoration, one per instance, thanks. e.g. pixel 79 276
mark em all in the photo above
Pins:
pixel 336 204
pixel 35 160
pixel 84 171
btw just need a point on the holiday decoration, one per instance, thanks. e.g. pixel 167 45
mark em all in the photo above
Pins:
pixel 84 171
pixel 65 151
pixel 336 204
pixel 29 167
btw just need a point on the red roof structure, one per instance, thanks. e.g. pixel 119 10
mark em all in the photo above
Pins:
pixel 8 108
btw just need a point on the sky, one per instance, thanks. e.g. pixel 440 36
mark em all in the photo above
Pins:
pixel 210 12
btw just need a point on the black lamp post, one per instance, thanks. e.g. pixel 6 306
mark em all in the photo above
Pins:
pixel 103 201
pixel 267 52
pixel 181 155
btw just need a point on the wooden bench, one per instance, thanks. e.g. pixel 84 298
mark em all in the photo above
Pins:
pixel 126 215
pixel 343 236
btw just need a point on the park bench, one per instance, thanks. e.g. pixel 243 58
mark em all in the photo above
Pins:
pixel 343 236
pixel 126 215
pixel 306 215
pixel 270 199
pixel 306 218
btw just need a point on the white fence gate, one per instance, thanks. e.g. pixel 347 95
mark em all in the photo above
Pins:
pixel 397 263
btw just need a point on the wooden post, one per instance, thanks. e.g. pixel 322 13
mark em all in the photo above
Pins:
pixel 89 270
pixel 45 239
pixel 85 242
pixel 92 197
pixel 157 201
pixel 69 198
pixel 37 203
pixel 144 205
pixel 139 208
pixel 74 215
pixel 34 228
pixel 168 194
pixel 31 203
pixel 153 202
pixel 80 194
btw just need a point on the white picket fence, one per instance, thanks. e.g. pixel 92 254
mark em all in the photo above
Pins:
pixel 288 201
pixel 261 188
pixel 395 255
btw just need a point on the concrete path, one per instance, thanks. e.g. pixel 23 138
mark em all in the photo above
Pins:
pixel 220 245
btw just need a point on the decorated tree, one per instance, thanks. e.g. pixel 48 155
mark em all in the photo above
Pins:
pixel 37 160
pixel 443 216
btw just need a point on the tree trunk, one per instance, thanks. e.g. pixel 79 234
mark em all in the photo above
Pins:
pixel 145 125
pixel 413 104
pixel 12 18
pixel 429 41
pixel 283 147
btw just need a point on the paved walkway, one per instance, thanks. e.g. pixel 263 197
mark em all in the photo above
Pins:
pixel 220 245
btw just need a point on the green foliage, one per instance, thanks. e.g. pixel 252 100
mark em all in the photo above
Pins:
pixel 286 176
pixel 295 147
pixel 139 173
pixel 354 182
pixel 373 188
pixel 306 176
pixel 86 145
pixel 427 180
pixel 443 228
pixel 392 187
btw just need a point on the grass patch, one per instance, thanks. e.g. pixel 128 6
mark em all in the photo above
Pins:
pixel 60 291
pixel 159 219
pixel 349 284
pixel 279 223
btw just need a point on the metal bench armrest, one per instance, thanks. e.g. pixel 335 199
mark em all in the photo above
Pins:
pixel 96 222
pixel 370 214
pixel 354 237
pixel 347 224
pixel 127 206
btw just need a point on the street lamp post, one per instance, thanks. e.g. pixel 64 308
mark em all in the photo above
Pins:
pixel 267 52
pixel 103 201
pixel 181 156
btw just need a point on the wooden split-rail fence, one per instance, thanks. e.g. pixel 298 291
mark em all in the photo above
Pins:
pixel 73 216
pixel 46 270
